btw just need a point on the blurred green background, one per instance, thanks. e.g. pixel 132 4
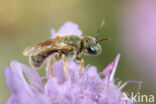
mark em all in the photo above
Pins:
pixel 23 22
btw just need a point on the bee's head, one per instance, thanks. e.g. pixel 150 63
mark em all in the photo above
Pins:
pixel 91 45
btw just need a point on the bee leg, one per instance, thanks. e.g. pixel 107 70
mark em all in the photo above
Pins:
pixel 81 67
pixel 54 58
pixel 81 62
pixel 65 66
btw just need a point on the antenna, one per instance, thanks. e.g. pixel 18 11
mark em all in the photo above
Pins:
pixel 101 25
pixel 102 40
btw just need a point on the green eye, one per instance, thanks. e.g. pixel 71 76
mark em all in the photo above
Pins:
pixel 91 50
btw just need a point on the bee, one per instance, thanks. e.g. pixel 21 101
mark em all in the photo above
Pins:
pixel 63 48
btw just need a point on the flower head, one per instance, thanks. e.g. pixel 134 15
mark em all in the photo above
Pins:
pixel 28 87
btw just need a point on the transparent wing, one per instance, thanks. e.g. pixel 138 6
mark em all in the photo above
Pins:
pixel 44 47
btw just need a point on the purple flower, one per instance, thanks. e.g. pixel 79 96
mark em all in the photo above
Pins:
pixel 28 87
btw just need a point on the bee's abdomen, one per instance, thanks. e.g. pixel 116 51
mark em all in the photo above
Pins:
pixel 38 60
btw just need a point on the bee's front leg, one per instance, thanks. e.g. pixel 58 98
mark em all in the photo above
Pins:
pixel 65 66
pixel 81 62
pixel 54 58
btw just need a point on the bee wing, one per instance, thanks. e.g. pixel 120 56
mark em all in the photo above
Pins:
pixel 42 47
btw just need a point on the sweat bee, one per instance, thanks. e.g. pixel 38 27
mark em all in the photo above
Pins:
pixel 66 47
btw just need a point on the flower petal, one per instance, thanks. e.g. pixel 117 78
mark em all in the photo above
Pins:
pixel 67 29
pixel 16 87
pixel 17 67
pixel 33 77
pixel 92 71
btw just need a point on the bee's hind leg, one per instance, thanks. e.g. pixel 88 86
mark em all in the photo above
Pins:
pixel 65 66
pixel 54 58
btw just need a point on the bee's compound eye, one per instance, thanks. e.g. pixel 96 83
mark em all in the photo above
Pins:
pixel 91 50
